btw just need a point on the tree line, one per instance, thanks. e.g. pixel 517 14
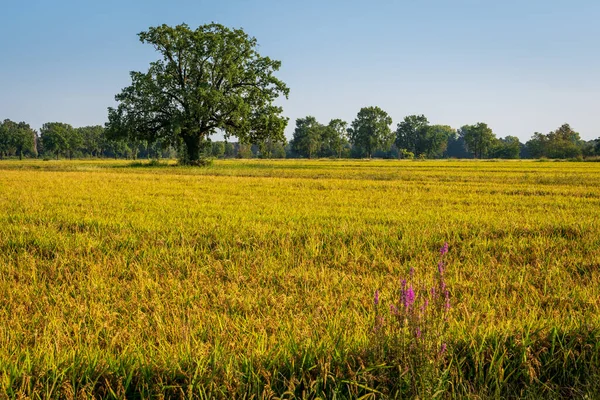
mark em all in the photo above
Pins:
pixel 61 140
pixel 369 135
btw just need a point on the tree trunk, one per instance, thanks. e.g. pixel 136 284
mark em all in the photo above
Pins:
pixel 192 147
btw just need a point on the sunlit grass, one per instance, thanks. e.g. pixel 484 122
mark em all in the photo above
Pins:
pixel 257 277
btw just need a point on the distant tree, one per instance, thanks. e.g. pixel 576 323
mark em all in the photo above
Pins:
pixel 537 145
pixel 456 146
pixel 334 138
pixel 211 78
pixel 371 130
pixel 479 139
pixel 229 150
pixel 563 142
pixel 218 149
pixel 5 138
pixel 436 140
pixel 308 137
pixel 56 137
pixel 93 140
pixel 244 150
pixel 24 140
pixel 17 139
pixel 271 149
pixel 118 148
pixel 509 148
pixel 588 148
pixel 411 134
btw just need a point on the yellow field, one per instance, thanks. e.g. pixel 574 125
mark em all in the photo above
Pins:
pixel 257 277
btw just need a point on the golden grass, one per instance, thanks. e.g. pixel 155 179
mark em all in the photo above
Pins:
pixel 232 276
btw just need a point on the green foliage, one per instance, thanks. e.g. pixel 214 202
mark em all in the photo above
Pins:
pixel 508 148
pixel 564 142
pixel 479 139
pixel 405 154
pixel 229 150
pixel 93 140
pixel 207 79
pixel 218 149
pixel 307 139
pixel 313 139
pixel 57 138
pixel 271 149
pixel 336 138
pixel 244 150
pixel 436 140
pixel 17 139
pixel 371 131
pixel 411 134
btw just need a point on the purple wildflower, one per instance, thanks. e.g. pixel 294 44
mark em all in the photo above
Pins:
pixel 444 249
pixel 443 349
pixel 393 309
pixel 403 284
pixel 441 267
pixel 376 298
pixel 418 333
pixel 409 298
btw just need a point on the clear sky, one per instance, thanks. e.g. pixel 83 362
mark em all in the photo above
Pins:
pixel 520 66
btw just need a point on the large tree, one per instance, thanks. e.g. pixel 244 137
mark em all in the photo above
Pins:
pixel 208 79
pixel 479 139
pixel 371 131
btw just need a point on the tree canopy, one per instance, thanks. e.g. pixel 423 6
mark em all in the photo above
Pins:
pixel 479 139
pixel 563 142
pixel 16 138
pixel 207 80
pixel 371 130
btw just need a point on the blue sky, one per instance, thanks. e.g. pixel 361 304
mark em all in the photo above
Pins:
pixel 520 66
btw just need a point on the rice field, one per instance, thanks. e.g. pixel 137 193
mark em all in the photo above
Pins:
pixel 256 278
